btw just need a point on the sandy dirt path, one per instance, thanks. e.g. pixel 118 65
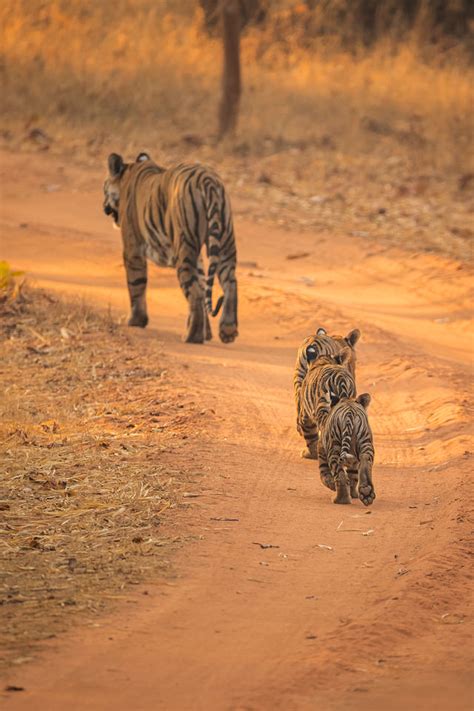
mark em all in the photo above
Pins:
pixel 352 608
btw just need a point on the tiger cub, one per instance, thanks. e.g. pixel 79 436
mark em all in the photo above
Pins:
pixel 325 346
pixel 327 377
pixel 346 450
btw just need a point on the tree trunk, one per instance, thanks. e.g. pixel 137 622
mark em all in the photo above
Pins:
pixel 230 99
pixel 252 12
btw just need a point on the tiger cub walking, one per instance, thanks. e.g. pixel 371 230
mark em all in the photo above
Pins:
pixel 316 346
pixel 168 215
pixel 327 377
pixel 346 451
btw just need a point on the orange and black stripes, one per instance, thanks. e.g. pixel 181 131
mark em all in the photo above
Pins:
pixel 168 216
pixel 318 346
pixel 324 345
pixel 327 379
pixel 346 451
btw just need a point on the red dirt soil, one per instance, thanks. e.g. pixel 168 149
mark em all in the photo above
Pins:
pixel 353 608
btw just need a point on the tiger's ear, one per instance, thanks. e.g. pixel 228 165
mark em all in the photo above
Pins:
pixel 364 400
pixel 352 337
pixel 141 157
pixel 116 165
pixel 344 356
pixel 321 331
pixel 311 353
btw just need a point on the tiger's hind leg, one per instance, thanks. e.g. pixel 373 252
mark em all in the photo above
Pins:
pixel 310 433
pixel 324 471
pixel 366 487
pixel 136 270
pixel 196 322
pixel 353 475
pixel 340 477
pixel 228 327
pixel 342 486
pixel 189 280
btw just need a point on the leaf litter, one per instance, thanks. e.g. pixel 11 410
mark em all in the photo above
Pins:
pixel 86 473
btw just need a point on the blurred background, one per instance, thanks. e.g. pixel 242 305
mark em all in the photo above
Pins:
pixel 354 114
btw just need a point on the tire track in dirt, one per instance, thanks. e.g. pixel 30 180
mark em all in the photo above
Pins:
pixel 298 626
pixel 397 414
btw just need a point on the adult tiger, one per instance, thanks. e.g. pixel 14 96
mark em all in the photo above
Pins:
pixel 327 377
pixel 346 451
pixel 167 215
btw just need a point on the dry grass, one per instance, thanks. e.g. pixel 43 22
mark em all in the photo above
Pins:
pixel 87 430
pixel 136 67
pixel 375 142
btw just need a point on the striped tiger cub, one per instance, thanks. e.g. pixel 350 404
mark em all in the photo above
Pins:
pixel 327 377
pixel 346 451
pixel 324 345
pixel 167 215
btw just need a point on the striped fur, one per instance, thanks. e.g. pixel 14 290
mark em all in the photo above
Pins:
pixel 168 216
pixel 328 377
pixel 324 345
pixel 346 451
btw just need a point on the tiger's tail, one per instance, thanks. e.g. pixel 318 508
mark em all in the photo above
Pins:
pixel 348 429
pixel 215 200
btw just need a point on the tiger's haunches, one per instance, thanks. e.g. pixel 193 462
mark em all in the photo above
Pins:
pixel 346 451
pixel 168 215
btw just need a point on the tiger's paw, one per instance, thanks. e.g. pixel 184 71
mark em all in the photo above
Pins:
pixel 354 490
pixel 196 325
pixel 306 453
pixel 227 333
pixel 194 338
pixel 367 494
pixel 139 320
pixel 328 481
pixel 342 499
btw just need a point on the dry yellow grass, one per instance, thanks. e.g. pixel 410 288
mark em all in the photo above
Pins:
pixel 372 142
pixel 90 444
pixel 139 69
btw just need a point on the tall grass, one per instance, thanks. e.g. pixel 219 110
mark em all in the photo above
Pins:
pixel 145 68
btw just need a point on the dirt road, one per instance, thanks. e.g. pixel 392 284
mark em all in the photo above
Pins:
pixel 351 608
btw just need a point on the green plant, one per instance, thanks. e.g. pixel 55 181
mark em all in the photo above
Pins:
pixel 9 284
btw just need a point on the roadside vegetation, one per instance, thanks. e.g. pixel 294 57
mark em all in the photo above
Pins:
pixel 339 130
pixel 90 438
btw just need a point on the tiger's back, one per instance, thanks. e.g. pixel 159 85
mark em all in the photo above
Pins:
pixel 346 434
pixel 327 377
pixel 167 216
pixel 324 345
pixel 346 451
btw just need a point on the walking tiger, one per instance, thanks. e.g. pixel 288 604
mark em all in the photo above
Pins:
pixel 346 451
pixel 321 345
pixel 167 216
pixel 327 377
